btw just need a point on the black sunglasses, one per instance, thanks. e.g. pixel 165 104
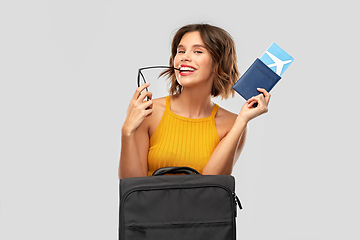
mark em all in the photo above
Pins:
pixel 144 68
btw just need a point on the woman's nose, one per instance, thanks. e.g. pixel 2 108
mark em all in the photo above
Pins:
pixel 185 57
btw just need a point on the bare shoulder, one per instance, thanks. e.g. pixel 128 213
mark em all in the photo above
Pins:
pixel 224 120
pixel 225 116
pixel 159 103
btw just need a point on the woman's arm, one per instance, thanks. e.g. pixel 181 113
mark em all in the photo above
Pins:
pixel 133 161
pixel 134 136
pixel 229 149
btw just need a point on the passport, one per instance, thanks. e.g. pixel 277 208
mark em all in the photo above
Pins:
pixel 264 73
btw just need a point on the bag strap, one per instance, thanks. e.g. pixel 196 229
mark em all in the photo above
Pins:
pixel 175 170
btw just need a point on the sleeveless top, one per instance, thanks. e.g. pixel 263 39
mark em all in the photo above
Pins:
pixel 181 141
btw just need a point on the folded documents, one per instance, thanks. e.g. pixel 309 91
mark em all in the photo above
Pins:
pixel 276 59
pixel 264 72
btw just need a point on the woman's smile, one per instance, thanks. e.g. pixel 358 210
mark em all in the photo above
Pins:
pixel 186 70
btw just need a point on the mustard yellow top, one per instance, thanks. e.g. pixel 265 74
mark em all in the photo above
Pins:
pixel 180 141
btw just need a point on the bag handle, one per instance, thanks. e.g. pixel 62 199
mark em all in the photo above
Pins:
pixel 175 170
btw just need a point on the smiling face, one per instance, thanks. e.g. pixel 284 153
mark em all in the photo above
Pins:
pixel 194 61
pixel 220 48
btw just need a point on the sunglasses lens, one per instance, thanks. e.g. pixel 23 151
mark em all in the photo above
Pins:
pixel 142 76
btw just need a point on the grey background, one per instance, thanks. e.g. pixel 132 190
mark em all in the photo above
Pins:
pixel 68 70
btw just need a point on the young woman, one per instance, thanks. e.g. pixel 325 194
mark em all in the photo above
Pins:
pixel 186 128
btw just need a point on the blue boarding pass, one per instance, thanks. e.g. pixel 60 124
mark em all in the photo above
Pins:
pixel 277 59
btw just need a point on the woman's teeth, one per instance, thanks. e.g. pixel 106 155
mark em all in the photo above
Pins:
pixel 185 69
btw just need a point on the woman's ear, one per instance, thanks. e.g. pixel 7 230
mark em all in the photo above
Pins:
pixel 215 67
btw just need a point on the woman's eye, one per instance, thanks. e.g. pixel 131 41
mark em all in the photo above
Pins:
pixel 181 51
pixel 198 51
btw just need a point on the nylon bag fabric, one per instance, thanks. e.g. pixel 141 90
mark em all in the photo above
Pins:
pixel 178 207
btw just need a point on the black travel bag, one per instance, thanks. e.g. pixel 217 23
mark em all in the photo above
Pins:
pixel 187 207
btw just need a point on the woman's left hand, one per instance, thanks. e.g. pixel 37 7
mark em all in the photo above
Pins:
pixel 249 112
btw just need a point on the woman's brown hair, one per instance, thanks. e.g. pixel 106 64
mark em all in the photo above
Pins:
pixel 222 49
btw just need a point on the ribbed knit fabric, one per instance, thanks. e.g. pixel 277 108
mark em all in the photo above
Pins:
pixel 181 141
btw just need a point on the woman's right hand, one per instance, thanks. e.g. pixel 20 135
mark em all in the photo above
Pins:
pixel 139 108
pixel 248 112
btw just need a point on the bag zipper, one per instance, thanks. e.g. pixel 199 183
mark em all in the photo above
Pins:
pixel 142 227
pixel 234 203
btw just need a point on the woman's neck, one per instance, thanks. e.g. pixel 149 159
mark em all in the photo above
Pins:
pixel 192 103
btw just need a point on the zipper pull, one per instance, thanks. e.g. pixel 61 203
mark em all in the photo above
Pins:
pixel 237 200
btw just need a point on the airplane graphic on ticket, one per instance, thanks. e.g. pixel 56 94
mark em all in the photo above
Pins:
pixel 277 59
